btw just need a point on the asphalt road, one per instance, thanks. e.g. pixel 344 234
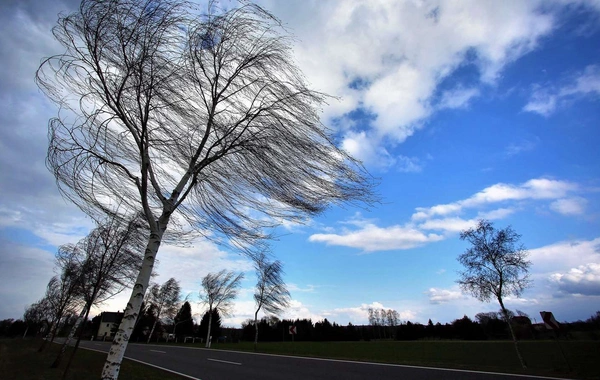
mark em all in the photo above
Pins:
pixel 210 364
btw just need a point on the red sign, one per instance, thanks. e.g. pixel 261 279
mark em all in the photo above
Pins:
pixel 549 320
pixel 293 330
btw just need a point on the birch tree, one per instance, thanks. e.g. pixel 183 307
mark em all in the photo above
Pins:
pixel 270 294
pixel 496 266
pixel 109 258
pixel 199 121
pixel 63 293
pixel 165 299
pixel 218 292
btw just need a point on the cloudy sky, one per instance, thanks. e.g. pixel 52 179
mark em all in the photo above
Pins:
pixel 463 109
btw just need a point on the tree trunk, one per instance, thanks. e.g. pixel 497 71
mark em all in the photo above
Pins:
pixel 87 313
pixel 512 333
pixel 119 344
pixel 65 344
pixel 153 326
pixel 50 335
pixel 209 325
pixel 255 329
pixel 25 334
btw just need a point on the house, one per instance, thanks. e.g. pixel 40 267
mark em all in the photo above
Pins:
pixel 109 322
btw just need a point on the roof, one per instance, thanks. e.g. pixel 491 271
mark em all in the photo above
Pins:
pixel 111 317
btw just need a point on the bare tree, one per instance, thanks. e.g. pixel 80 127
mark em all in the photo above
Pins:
pixel 63 292
pixel 193 120
pixel 34 315
pixel 165 299
pixel 218 292
pixel 109 258
pixel 270 293
pixel 496 266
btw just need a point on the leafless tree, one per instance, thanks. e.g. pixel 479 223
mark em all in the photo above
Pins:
pixel 270 294
pixel 109 258
pixel 496 266
pixel 62 296
pixel 218 292
pixel 35 315
pixel 165 299
pixel 195 120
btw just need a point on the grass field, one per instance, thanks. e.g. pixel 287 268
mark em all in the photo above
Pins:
pixel 543 357
pixel 19 360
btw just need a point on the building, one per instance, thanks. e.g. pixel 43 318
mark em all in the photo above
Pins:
pixel 109 322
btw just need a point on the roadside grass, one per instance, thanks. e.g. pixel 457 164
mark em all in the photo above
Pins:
pixel 19 360
pixel 543 357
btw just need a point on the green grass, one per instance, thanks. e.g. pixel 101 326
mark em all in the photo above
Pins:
pixel 19 360
pixel 543 357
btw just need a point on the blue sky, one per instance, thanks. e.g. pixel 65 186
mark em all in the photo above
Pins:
pixel 462 110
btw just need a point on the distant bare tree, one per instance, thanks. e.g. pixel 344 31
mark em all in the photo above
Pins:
pixel 34 315
pixel 193 120
pixel 165 299
pixel 496 266
pixel 62 296
pixel 109 258
pixel 270 293
pixel 218 292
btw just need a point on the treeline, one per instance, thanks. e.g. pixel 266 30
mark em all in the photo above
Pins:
pixel 485 326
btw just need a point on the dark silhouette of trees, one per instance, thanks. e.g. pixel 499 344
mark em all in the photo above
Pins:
pixel 496 266
pixel 210 325
pixel 183 323
pixel 192 120
pixel 218 292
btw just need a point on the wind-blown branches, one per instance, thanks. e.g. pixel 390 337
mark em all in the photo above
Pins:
pixel 200 122
pixel 270 294
pixel 218 292
pixel 496 266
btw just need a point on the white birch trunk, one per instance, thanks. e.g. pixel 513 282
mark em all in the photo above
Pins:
pixel 70 337
pixel 153 326
pixel 119 344
pixel 208 333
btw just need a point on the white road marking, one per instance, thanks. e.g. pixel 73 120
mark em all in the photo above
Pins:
pixel 148 364
pixel 223 361
pixel 162 352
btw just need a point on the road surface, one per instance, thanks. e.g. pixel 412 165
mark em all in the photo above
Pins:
pixel 211 364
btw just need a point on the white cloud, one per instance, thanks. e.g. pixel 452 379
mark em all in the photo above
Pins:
pixel 448 224
pixel 409 164
pixel 438 296
pixel 569 206
pixel 444 218
pixel 521 147
pixel 537 189
pixel 373 238
pixel 583 280
pixel 565 254
pixel 295 288
pixel 399 52
pixel 458 98
pixel 545 101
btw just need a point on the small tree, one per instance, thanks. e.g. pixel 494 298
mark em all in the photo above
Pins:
pixel 165 299
pixel 270 294
pixel 496 266
pixel 218 292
